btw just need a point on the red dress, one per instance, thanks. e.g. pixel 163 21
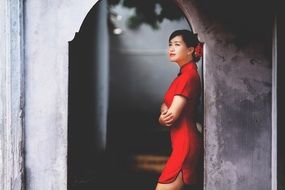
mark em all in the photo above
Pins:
pixel 185 138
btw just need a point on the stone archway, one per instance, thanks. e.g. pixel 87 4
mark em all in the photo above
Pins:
pixel 83 170
pixel 237 78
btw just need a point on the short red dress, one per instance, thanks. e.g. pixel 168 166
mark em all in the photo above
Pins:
pixel 185 138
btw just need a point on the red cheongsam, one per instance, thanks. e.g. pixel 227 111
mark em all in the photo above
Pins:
pixel 185 138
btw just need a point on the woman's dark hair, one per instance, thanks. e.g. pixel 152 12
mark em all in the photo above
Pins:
pixel 190 39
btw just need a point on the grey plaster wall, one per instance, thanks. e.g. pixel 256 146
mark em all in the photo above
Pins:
pixel 237 92
pixel 49 26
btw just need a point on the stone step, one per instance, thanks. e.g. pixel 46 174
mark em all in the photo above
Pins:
pixel 148 162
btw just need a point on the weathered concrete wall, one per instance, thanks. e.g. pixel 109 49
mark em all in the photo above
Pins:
pixel 237 91
pixel 11 95
pixel 49 26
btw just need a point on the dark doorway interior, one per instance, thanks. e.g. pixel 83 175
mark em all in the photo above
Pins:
pixel 82 159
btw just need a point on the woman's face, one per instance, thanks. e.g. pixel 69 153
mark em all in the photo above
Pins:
pixel 178 51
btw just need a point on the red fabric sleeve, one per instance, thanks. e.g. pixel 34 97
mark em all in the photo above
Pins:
pixel 186 86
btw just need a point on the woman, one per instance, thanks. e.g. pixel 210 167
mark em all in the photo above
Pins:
pixel 178 112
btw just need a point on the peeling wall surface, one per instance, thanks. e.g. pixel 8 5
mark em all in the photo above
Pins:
pixel 237 92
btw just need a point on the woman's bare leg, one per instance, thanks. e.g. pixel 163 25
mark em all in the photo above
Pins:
pixel 175 185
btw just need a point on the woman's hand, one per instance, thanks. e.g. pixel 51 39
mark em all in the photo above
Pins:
pixel 169 116
pixel 166 119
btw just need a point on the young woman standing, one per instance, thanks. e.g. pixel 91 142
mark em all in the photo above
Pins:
pixel 178 113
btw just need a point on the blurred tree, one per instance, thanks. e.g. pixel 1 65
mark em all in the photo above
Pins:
pixel 151 12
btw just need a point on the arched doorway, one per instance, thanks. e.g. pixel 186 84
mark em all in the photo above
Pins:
pixel 46 91
pixel 136 76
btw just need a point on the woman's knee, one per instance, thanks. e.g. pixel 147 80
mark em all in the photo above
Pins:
pixel 175 185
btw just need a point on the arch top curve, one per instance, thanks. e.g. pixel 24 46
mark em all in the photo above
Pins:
pixel 192 13
pixel 73 16
pixel 96 15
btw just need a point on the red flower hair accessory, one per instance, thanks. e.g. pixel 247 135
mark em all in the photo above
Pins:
pixel 199 50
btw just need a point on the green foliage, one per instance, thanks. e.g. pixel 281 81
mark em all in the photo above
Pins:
pixel 150 12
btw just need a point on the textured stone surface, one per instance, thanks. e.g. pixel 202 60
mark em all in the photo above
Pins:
pixel 237 92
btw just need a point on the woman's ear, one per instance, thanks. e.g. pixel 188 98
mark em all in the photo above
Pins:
pixel 190 50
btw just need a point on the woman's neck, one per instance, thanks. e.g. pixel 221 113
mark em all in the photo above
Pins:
pixel 182 63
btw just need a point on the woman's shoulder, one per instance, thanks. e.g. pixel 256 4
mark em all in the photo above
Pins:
pixel 190 75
